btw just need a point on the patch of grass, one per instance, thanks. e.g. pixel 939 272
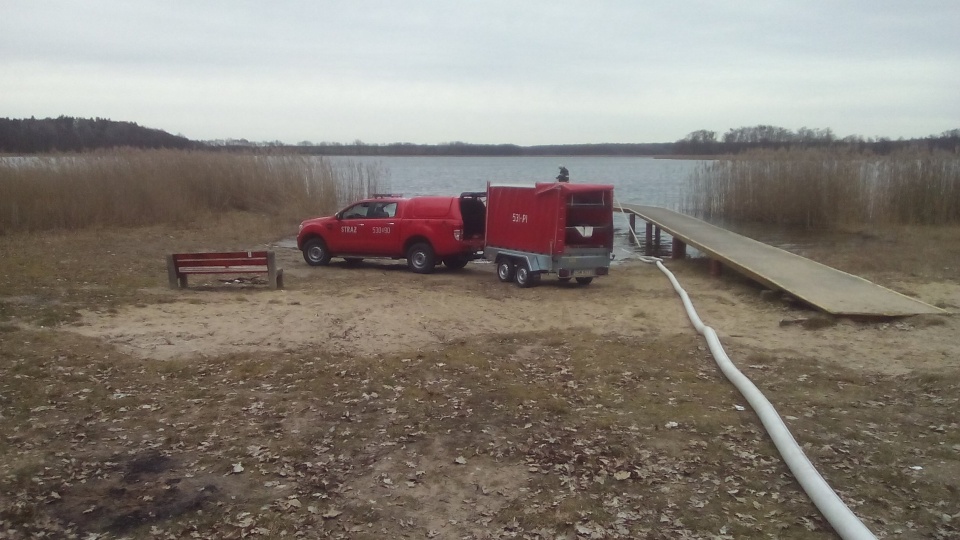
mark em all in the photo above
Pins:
pixel 819 322
pixel 754 186
pixel 828 189
pixel 130 271
pixel 926 321
pixel 53 315
pixel 136 188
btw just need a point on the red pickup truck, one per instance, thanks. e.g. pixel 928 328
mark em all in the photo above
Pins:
pixel 423 230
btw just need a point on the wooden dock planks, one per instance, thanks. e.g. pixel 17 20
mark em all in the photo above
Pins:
pixel 831 290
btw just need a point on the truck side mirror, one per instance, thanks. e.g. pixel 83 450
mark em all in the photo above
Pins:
pixel 338 215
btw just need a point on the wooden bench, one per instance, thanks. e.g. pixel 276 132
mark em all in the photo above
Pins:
pixel 179 265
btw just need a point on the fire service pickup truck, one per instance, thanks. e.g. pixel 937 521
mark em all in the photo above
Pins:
pixel 423 230
pixel 549 228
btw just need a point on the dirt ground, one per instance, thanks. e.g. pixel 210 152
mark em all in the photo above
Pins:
pixel 371 402
pixel 388 309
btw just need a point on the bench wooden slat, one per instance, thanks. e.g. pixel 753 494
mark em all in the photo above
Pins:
pixel 222 270
pixel 220 255
pixel 224 263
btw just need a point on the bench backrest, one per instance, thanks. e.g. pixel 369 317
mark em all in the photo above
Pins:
pixel 232 258
pixel 179 265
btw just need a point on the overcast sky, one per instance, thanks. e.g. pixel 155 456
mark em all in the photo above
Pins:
pixel 484 71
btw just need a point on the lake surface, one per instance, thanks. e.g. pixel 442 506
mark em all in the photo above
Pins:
pixel 637 180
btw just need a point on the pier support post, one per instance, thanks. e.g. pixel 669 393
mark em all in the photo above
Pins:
pixel 648 240
pixel 633 228
pixel 679 250
pixel 716 268
pixel 656 241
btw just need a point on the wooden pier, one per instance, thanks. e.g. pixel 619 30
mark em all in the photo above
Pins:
pixel 821 286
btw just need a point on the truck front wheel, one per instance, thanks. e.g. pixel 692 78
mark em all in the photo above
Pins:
pixel 524 277
pixel 315 252
pixel 421 258
pixel 505 269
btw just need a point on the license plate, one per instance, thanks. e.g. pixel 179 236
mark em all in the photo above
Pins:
pixel 582 273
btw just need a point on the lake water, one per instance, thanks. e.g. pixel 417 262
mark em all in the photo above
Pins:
pixel 637 180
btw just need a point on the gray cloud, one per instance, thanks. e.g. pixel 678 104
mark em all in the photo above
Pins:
pixel 493 71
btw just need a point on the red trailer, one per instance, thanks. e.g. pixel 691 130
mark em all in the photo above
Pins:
pixel 556 228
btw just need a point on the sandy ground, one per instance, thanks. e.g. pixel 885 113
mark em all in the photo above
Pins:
pixel 479 414
pixel 382 307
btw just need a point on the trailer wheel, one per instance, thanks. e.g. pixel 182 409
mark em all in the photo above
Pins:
pixel 565 280
pixel 505 269
pixel 421 258
pixel 584 280
pixel 524 277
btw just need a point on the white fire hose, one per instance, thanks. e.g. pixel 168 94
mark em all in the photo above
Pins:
pixel 841 518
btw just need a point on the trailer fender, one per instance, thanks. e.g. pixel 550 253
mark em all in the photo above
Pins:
pixel 537 263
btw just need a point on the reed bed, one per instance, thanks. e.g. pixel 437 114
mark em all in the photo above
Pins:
pixel 824 189
pixel 133 188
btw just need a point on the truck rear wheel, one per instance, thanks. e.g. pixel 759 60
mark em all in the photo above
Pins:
pixel 421 258
pixel 584 280
pixel 524 277
pixel 505 269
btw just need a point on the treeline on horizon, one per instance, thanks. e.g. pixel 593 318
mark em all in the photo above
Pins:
pixel 69 134
pixel 764 137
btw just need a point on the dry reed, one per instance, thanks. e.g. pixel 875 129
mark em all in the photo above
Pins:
pixel 825 189
pixel 132 188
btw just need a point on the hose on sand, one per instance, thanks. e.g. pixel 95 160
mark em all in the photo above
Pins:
pixel 840 517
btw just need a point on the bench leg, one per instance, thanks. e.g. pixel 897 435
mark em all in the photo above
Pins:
pixel 273 275
pixel 172 277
